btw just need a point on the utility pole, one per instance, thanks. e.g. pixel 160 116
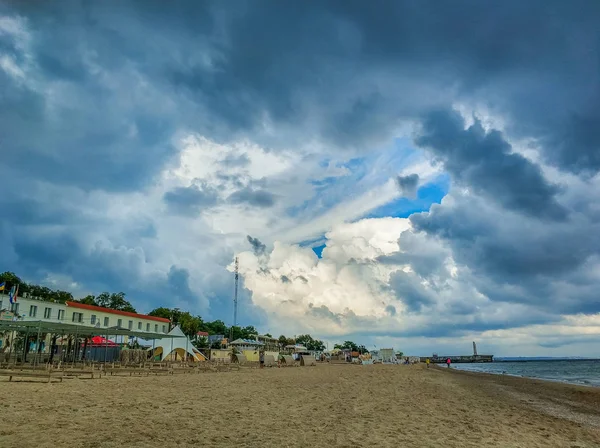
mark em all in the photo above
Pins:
pixel 235 297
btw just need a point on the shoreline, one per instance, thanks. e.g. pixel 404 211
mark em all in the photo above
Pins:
pixel 579 403
pixel 551 380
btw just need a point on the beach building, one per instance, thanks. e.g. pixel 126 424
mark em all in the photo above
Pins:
pixel 108 318
pixel 270 343
pixel 250 348
pixel 220 354
pixel 217 338
pixel 29 308
pixel 387 355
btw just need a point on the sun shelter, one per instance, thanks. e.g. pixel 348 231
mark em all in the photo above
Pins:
pixel 71 333
pixel 178 346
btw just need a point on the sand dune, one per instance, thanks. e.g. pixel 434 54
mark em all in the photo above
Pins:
pixel 327 405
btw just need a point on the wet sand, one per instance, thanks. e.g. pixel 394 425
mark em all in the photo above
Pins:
pixel 327 405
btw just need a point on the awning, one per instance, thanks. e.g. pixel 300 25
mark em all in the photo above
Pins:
pixel 81 330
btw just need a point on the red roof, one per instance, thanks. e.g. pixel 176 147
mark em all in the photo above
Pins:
pixel 202 333
pixel 111 311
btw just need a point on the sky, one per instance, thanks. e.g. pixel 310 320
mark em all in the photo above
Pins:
pixel 418 175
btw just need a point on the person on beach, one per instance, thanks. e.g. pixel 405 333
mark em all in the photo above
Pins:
pixel 427 362
pixel 448 361
pixel 262 359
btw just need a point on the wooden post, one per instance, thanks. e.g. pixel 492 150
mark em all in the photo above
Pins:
pixel 25 346
pixel 39 346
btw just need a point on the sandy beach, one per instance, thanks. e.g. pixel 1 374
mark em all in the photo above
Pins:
pixel 327 405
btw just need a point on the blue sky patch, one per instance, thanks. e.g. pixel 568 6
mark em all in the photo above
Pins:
pixel 427 195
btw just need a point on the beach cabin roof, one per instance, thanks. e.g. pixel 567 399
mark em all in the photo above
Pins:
pixel 241 341
pixel 297 347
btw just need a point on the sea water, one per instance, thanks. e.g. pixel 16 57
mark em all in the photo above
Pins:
pixel 585 372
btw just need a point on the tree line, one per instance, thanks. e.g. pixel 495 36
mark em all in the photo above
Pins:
pixel 115 301
pixel 189 324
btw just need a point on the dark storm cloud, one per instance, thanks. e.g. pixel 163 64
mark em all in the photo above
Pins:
pixel 190 201
pixel 410 292
pixel 257 246
pixel 484 161
pixel 253 197
pixel 539 76
pixel 408 185
pixel 178 281
pixel 517 259
pixel 323 312
pixel 100 105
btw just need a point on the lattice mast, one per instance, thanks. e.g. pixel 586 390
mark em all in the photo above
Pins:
pixel 235 292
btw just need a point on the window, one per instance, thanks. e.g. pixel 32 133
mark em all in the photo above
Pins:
pixel 147 327
pixel 61 314
pixel 119 323
pixel 14 307
pixel 93 319
pixel 164 329
pixel 106 320
pixel 156 328
pixel 47 313
pixel 78 317
pixel 130 325
pixel 139 325
pixel 32 310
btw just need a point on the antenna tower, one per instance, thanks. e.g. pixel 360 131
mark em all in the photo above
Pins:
pixel 235 292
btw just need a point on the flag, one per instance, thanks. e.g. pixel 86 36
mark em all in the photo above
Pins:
pixel 2 286
pixel 12 295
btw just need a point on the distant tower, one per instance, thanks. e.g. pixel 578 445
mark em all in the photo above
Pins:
pixel 235 298
pixel 474 349
pixel 235 292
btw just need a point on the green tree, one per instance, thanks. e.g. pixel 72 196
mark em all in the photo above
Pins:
pixel 61 296
pixel 201 342
pixel 310 343
pixel 282 341
pixel 163 312
pixel 347 345
pixel 88 300
pixel 115 301
pixel 11 279
pixel 189 324
pixel 217 327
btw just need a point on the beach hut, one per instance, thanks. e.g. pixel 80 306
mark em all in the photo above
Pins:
pixel 238 358
pixel 287 361
pixel 178 347
pixel 270 361
pixel 308 360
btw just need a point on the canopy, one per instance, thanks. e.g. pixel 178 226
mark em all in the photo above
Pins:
pixel 178 345
pixel 101 341
pixel 75 329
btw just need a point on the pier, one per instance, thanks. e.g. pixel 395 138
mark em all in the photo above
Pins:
pixel 435 359
pixel 458 359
